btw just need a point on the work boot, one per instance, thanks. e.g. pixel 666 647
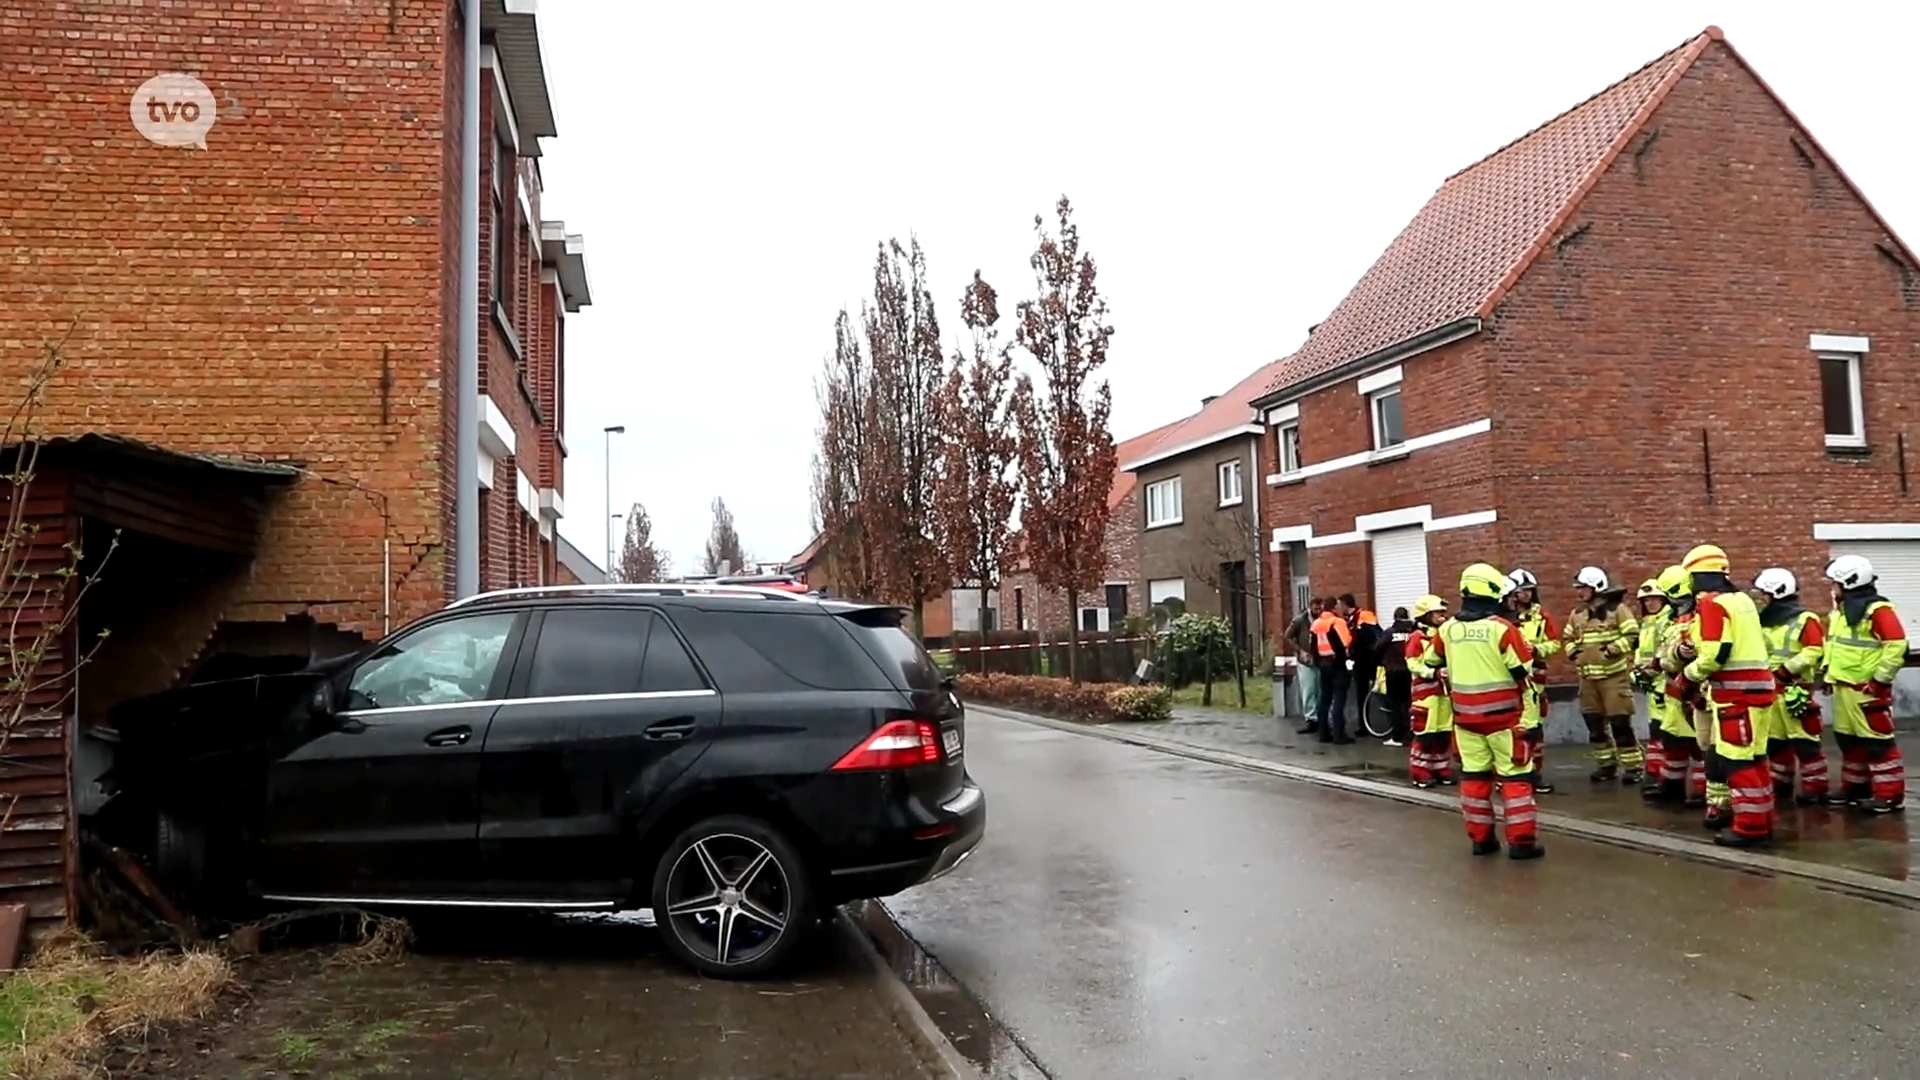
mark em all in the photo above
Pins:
pixel 1736 840
pixel 1343 739
pixel 1841 799
pixel 1880 806
pixel 1718 817
pixel 1604 773
pixel 1812 798
pixel 1695 802
pixel 1423 784
pixel 1485 847
pixel 1651 786
pixel 1307 728
pixel 1448 781
pixel 1632 777
pixel 1525 851
pixel 1540 784
pixel 1782 791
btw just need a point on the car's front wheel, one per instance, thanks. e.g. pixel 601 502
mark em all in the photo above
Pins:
pixel 731 898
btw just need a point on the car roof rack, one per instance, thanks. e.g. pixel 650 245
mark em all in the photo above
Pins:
pixel 627 589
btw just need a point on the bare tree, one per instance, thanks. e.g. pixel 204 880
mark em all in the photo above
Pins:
pixel 1066 449
pixel 845 393
pixel 641 560
pixel 978 494
pixel 723 542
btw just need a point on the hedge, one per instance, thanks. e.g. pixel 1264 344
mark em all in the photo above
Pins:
pixel 1091 702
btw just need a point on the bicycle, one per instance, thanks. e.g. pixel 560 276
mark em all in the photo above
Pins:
pixel 1376 713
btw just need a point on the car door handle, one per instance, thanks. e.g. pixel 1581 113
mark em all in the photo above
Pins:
pixel 670 730
pixel 453 736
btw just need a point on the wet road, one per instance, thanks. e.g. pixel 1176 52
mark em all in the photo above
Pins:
pixel 1134 914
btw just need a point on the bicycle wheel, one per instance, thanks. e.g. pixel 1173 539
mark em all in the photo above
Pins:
pixel 1376 716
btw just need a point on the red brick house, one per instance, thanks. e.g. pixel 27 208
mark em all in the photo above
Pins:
pixel 261 335
pixel 1664 317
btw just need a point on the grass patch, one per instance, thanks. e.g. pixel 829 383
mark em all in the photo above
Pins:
pixel 71 996
pixel 377 1036
pixel 1227 696
pixel 297 1049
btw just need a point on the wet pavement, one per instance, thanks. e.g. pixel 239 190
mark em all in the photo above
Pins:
pixel 501 998
pixel 1137 914
pixel 1884 846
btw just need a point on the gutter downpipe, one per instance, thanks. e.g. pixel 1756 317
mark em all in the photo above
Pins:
pixel 466 509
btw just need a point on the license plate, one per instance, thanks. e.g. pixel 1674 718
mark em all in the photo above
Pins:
pixel 951 739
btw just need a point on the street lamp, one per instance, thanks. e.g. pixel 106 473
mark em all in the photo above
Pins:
pixel 612 519
pixel 607 434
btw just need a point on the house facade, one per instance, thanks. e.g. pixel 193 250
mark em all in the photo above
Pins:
pixel 1665 317
pixel 260 335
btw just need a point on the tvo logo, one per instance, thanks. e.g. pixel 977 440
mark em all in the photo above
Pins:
pixel 173 109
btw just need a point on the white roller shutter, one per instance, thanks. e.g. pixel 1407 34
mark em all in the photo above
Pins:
pixel 1898 564
pixel 1399 569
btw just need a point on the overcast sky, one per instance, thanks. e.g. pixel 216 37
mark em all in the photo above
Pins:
pixel 1234 167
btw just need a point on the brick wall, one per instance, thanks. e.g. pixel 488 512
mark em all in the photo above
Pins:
pixel 1208 534
pixel 1046 609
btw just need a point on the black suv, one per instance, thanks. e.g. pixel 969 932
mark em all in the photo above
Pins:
pixel 738 760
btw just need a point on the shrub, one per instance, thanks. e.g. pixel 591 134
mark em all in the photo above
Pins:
pixel 1141 703
pixel 1038 693
pixel 1193 648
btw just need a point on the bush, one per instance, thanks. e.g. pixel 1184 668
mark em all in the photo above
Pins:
pixel 1038 693
pixel 1141 703
pixel 1193 648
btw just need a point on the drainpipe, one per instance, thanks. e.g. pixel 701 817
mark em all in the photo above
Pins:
pixel 466 472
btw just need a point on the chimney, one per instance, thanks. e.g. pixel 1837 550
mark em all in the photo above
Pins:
pixel 1208 400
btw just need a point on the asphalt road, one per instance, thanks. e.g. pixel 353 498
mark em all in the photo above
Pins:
pixel 1134 914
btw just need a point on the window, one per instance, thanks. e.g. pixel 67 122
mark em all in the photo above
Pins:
pixel 1230 483
pixel 760 652
pixel 589 651
pixel 669 666
pixel 447 663
pixel 1117 600
pixel 1166 589
pixel 1389 427
pixel 896 650
pixel 1094 620
pixel 1163 502
pixel 1289 448
pixel 501 276
pixel 1840 400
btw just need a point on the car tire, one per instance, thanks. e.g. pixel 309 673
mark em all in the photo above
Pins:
pixel 745 923
pixel 180 858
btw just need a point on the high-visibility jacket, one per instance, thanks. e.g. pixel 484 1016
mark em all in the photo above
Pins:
pixel 1646 656
pixel 1486 662
pixel 1731 651
pixel 1675 630
pixel 1794 647
pixel 1604 641
pixel 1331 638
pixel 1871 650
pixel 1428 689
pixel 1537 627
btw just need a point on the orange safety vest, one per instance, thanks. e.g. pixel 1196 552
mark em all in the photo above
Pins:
pixel 1327 627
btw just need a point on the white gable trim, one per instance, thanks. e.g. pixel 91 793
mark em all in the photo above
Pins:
pixel 1380 380
pixel 1866 530
pixel 1836 343
pixel 1405 517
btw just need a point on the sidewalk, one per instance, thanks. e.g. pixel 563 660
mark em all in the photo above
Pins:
pixel 1848 842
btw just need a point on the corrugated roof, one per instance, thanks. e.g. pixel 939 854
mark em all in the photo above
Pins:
pixel 1485 224
pixel 1216 420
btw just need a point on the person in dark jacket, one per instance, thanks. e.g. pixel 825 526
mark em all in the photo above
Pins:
pixel 1393 657
pixel 1365 650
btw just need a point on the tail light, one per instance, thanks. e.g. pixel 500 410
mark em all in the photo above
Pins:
pixel 900 744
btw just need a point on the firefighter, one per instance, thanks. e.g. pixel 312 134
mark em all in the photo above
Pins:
pixel 1600 636
pixel 1865 648
pixel 1683 759
pixel 1795 644
pixel 1536 626
pixel 1487 664
pixel 1430 751
pixel 1728 672
pixel 1646 679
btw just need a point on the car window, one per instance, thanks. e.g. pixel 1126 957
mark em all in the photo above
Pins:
pixel 669 667
pixel 760 651
pixel 589 651
pixel 897 652
pixel 446 663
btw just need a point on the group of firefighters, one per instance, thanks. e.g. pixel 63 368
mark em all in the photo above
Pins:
pixel 1729 675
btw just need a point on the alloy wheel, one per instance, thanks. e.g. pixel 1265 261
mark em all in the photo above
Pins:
pixel 728 899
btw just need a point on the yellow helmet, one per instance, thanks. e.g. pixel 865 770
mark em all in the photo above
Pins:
pixel 1705 559
pixel 1483 581
pixel 1427 605
pixel 1675 582
pixel 1649 587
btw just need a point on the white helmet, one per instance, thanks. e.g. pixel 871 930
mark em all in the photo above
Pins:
pixel 1850 571
pixel 1592 577
pixel 1776 582
pixel 1522 579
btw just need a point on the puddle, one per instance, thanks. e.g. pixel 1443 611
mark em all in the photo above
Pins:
pixel 959 1016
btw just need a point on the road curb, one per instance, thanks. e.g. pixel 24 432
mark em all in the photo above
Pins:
pixel 1869 886
pixel 906 1005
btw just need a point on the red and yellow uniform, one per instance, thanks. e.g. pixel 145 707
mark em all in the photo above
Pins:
pixel 1682 756
pixel 1654 614
pixel 1729 674
pixel 1537 629
pixel 1796 643
pixel 1487 664
pixel 1430 751
pixel 1866 646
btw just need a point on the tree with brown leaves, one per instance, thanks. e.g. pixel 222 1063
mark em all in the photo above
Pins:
pixel 1066 449
pixel 978 450
pixel 845 392
pixel 641 560
pixel 900 473
pixel 723 543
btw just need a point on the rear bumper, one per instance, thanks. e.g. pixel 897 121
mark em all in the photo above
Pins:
pixel 966 812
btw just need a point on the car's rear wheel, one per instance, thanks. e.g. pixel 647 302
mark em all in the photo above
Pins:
pixel 180 857
pixel 731 897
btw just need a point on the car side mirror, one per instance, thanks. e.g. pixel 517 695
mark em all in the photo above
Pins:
pixel 320 700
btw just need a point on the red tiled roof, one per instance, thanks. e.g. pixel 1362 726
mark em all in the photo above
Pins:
pixel 1215 420
pixel 1127 451
pixel 1485 224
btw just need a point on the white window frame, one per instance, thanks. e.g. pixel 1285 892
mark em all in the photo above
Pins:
pixel 1857 440
pixel 1237 471
pixel 1181 592
pixel 1289 454
pixel 1374 401
pixel 1167 516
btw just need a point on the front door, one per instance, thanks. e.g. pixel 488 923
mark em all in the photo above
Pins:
pixel 606 710
pixel 383 802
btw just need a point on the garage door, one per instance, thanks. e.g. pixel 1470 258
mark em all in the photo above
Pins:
pixel 1399 569
pixel 1898 564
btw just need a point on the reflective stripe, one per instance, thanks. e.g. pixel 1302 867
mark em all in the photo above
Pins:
pixel 1470 800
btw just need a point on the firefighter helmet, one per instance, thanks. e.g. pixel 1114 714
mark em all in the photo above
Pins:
pixel 1427 605
pixel 1523 579
pixel 1850 571
pixel 1649 587
pixel 1776 582
pixel 1483 581
pixel 1675 582
pixel 1593 578
pixel 1705 559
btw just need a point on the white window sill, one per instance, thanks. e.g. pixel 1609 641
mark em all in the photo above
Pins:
pixel 1391 453
pixel 1224 503
pixel 1846 442
pixel 1169 523
pixel 1285 478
